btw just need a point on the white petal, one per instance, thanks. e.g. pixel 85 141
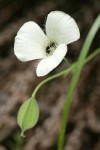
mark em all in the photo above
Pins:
pixel 48 64
pixel 30 42
pixel 61 28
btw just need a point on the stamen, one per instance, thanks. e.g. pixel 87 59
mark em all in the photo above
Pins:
pixel 50 48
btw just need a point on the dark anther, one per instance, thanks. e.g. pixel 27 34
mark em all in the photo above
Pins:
pixel 50 46
pixel 48 49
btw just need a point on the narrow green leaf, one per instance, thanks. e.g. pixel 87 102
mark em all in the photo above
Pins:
pixel 28 115
pixel 75 78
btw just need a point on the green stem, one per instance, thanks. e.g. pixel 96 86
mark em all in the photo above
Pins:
pixel 96 52
pixel 74 80
pixel 51 78
pixel 72 67
pixel 67 62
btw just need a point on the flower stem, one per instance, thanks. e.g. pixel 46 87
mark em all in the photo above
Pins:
pixel 65 72
pixel 76 75
pixel 51 78
pixel 66 61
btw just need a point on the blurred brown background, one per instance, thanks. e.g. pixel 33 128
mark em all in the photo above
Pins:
pixel 17 81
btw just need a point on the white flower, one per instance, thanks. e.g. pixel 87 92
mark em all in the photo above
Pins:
pixel 31 42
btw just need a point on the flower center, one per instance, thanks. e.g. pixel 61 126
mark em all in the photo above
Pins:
pixel 50 49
